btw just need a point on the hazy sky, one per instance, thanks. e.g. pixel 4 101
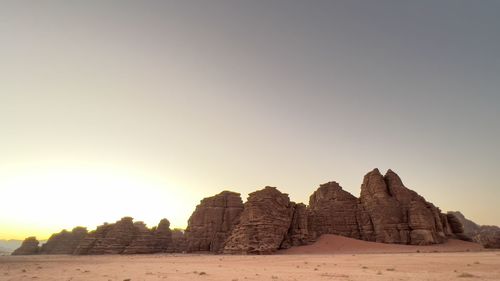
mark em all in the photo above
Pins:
pixel 142 108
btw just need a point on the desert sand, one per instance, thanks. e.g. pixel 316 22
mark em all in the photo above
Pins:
pixel 331 258
pixel 335 244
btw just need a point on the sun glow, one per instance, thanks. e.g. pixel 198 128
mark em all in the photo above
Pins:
pixel 48 200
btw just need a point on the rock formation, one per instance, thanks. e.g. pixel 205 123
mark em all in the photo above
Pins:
pixel 211 222
pixel 148 241
pixel 486 235
pixel 64 242
pixel 126 237
pixel 298 232
pixel 28 247
pixel 398 214
pixel 179 243
pixel 333 211
pixel 162 236
pixel 143 241
pixel 386 211
pixel 264 222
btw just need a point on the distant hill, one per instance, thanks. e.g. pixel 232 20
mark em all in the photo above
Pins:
pixel 487 235
pixel 7 246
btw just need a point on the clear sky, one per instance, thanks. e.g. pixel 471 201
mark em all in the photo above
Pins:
pixel 142 108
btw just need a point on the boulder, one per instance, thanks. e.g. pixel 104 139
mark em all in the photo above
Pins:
pixel 212 221
pixel 28 247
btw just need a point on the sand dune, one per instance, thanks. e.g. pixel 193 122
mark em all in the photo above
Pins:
pixel 335 244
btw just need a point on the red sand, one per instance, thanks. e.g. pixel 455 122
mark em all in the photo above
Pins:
pixel 335 244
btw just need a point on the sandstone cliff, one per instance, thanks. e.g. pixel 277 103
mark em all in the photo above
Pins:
pixel 263 224
pixel 212 221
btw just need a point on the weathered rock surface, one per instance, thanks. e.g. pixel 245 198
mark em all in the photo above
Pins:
pixel 179 243
pixel 28 247
pixel 64 242
pixel 148 241
pixel 143 241
pixel 398 214
pixel 162 236
pixel 263 225
pixel 211 222
pixel 333 211
pixel 486 235
pixel 298 232
pixel 126 237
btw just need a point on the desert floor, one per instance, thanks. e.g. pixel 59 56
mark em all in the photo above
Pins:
pixel 484 265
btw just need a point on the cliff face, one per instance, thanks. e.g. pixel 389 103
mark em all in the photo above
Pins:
pixel 334 211
pixel 398 214
pixel 386 212
pixel 212 221
pixel 486 235
pixel 263 224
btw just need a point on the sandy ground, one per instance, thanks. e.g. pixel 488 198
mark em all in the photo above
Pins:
pixel 330 258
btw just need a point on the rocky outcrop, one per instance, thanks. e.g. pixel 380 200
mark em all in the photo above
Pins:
pixel 298 232
pixel 179 244
pixel 28 247
pixel 486 235
pixel 126 237
pixel 143 241
pixel 162 236
pixel 64 242
pixel 148 241
pixel 263 225
pixel 386 211
pixel 398 214
pixel 333 211
pixel 212 221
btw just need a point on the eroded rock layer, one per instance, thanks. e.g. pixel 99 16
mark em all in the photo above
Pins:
pixel 263 224
pixel 398 214
pixel 64 242
pixel 28 247
pixel 126 237
pixel 212 221
pixel 333 211
pixel 486 235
